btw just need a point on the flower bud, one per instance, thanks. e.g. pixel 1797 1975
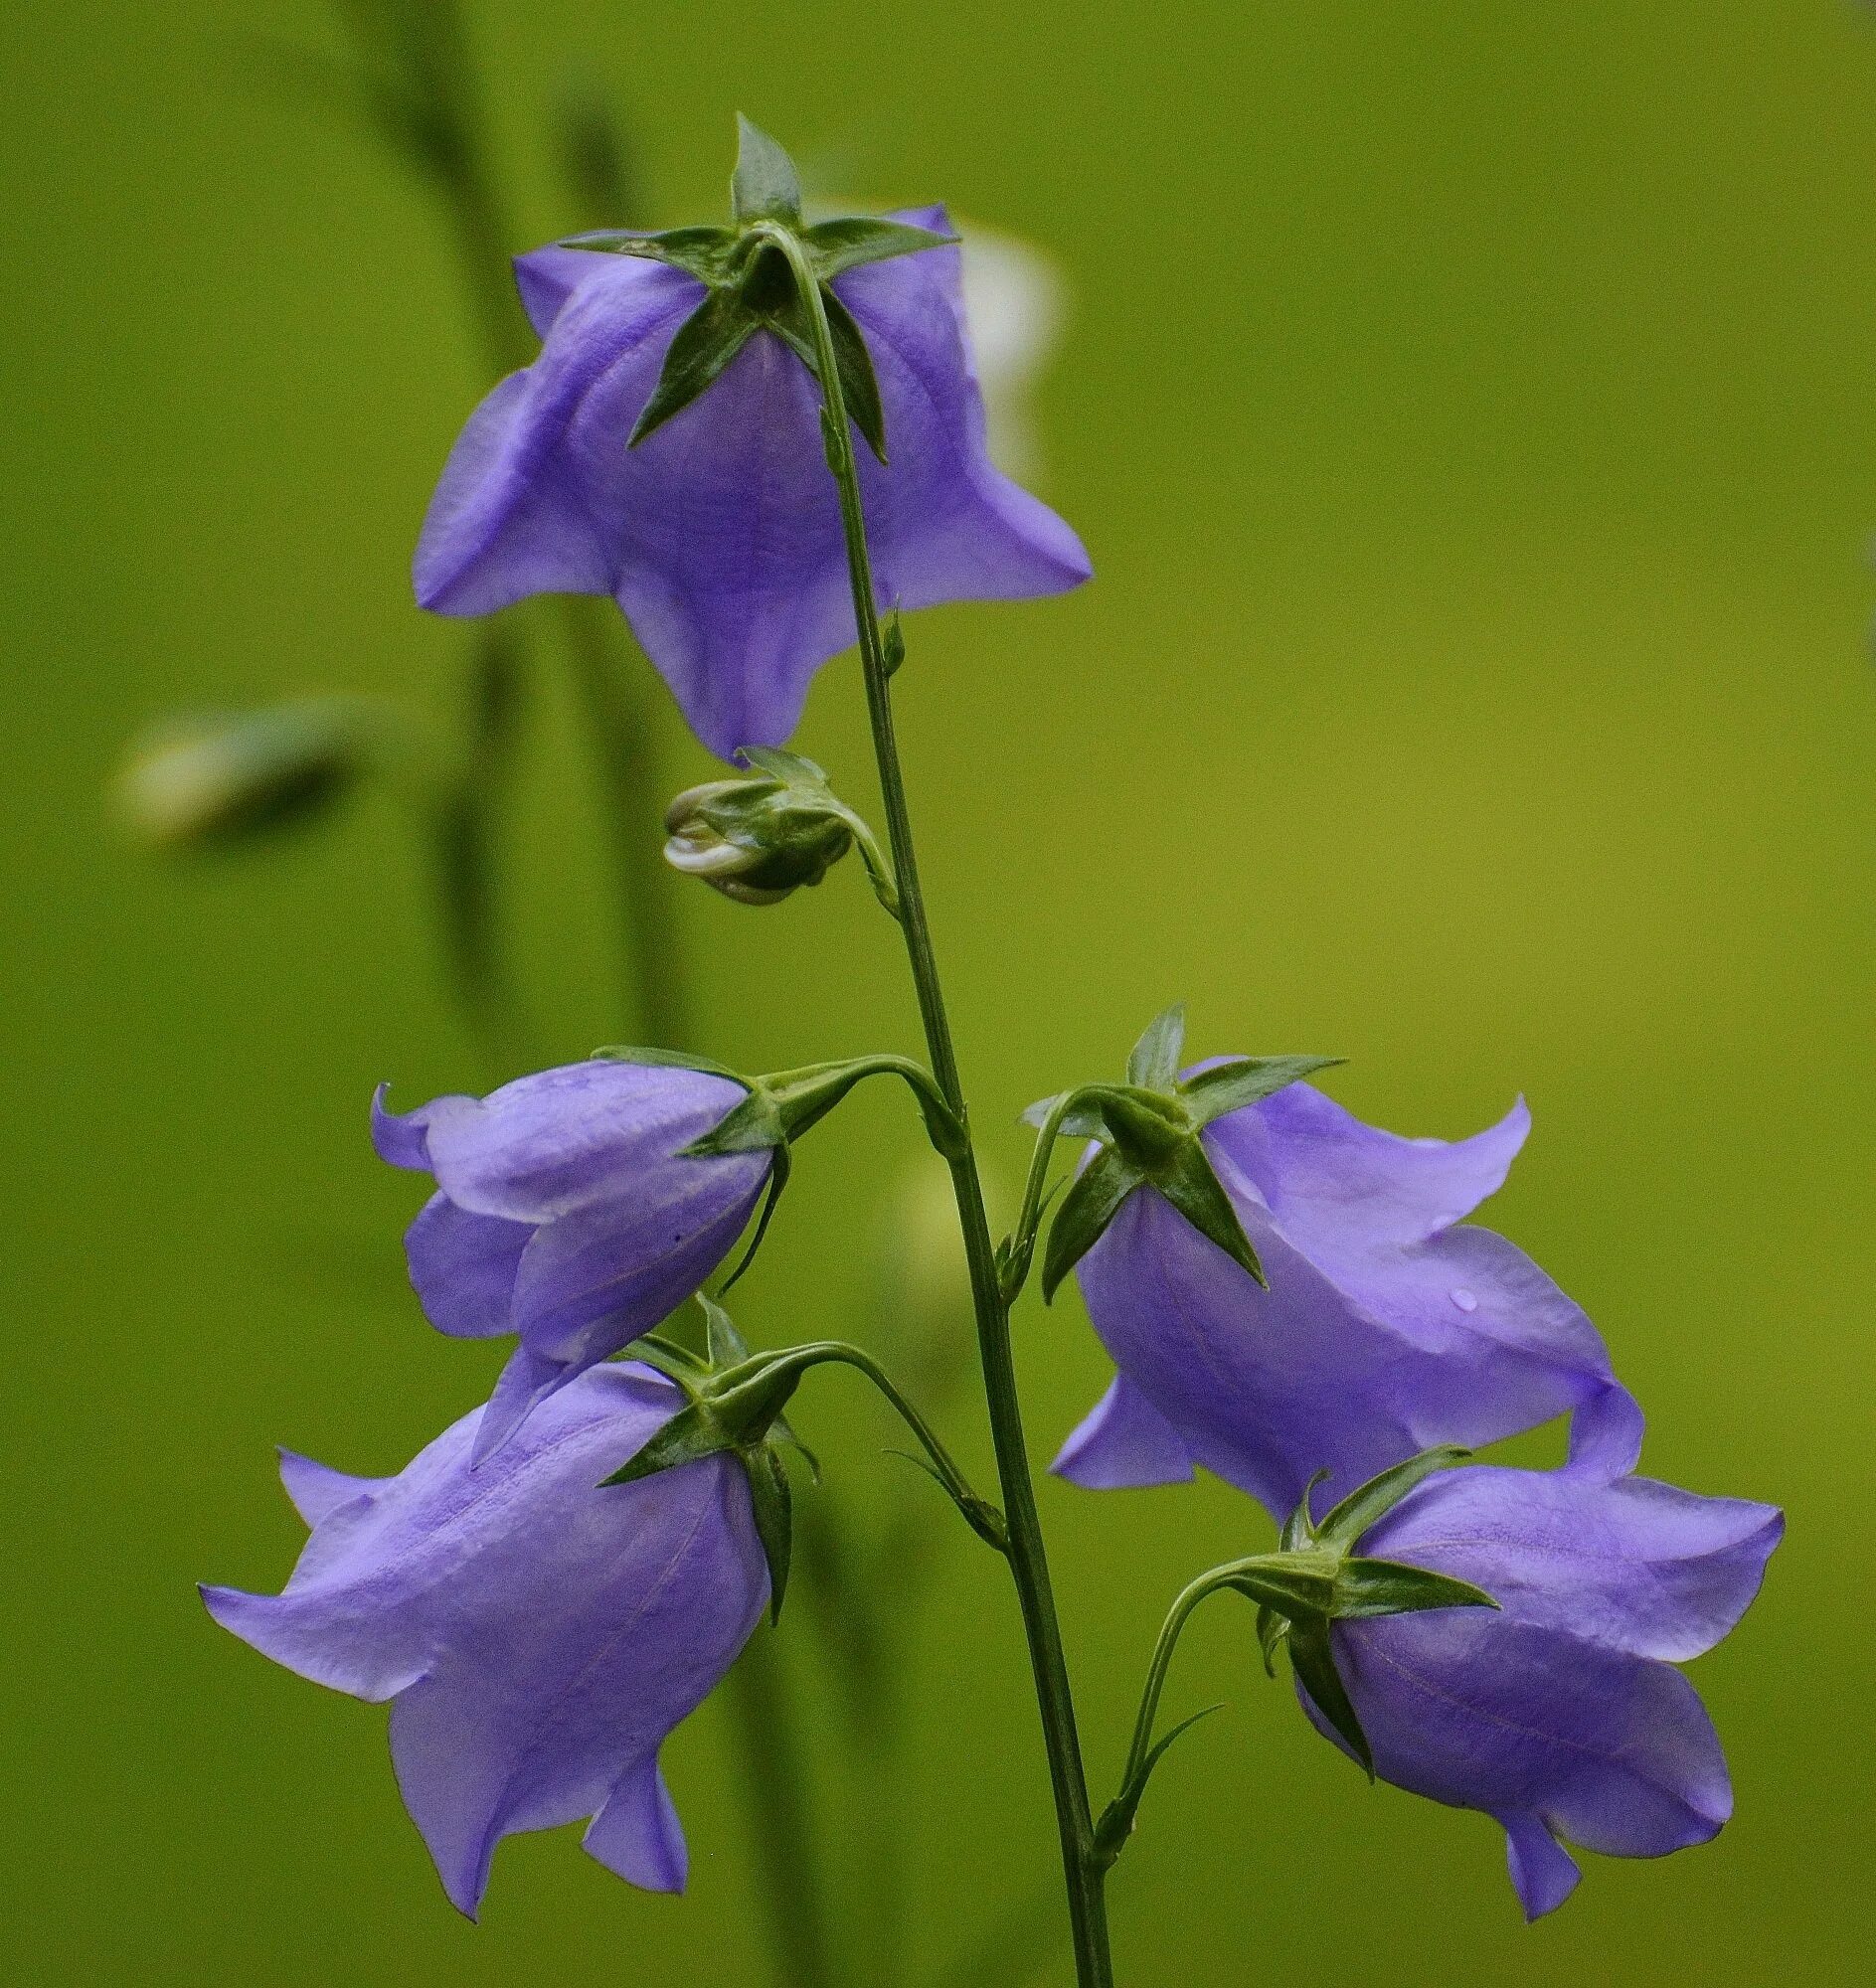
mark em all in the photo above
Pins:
pixel 756 840
pixel 215 780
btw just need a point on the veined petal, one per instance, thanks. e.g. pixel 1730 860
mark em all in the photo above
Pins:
pixel 1124 1443
pixel 463 1266
pixel 561 1139
pixel 317 1490
pixel 1611 1750
pixel 1640 1565
pixel 1543 1871
pixel 1328 1179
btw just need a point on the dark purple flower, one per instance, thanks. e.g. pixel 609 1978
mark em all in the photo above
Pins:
pixel 540 1635
pixel 718 535
pixel 1386 1329
pixel 568 1211
pixel 1560 1714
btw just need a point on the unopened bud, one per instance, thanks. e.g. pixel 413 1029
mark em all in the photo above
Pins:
pixel 757 840
pixel 220 779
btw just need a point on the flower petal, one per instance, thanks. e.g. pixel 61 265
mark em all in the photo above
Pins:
pixel 560 1139
pixel 1543 1871
pixel 317 1490
pixel 1327 1178
pixel 638 1835
pixel 1124 1443
pixel 1612 1750
pixel 1637 1565
pixel 462 1268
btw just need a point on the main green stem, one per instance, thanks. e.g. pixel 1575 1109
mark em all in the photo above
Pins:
pixel 1028 1559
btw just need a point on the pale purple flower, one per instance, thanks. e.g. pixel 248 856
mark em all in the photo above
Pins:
pixel 539 1635
pixel 1561 1714
pixel 718 535
pixel 568 1211
pixel 1386 1329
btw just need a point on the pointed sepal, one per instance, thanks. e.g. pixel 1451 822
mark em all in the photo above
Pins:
pixel 1230 1086
pixel 764 185
pixel 1313 1661
pixel 1346 1522
pixel 1090 1205
pixel 714 256
pixel 850 240
pixel 1154 1061
pixel 699 352
pixel 773 1507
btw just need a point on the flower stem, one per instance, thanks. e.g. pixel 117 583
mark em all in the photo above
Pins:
pixel 1028 1557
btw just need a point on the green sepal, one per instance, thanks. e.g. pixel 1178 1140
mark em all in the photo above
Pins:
pixel 704 345
pixel 1344 1525
pixel 1090 1205
pixel 1154 1061
pixel 781 1108
pixel 1273 1630
pixel 1191 1185
pixel 764 185
pixel 1118 1818
pixel 773 1507
pixel 691 1434
pixel 1369 1589
pixel 1313 1661
pixel 859 384
pixel 712 254
pixel 850 240
pixel 723 1346
pixel 1298 1530
pixel 1230 1086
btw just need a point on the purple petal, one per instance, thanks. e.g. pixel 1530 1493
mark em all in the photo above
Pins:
pixel 720 534
pixel 1640 1565
pixel 400 1140
pixel 1328 1179
pixel 1124 1443
pixel 317 1489
pixel 1543 1871
pixel 1612 1750
pixel 542 1635
pixel 1267 1387
pixel 561 1139
pixel 464 1267
pixel 638 1835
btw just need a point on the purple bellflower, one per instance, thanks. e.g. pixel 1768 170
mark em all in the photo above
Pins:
pixel 1385 1329
pixel 1561 1713
pixel 539 1635
pixel 718 535
pixel 568 1211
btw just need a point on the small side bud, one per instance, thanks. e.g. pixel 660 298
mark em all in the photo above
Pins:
pixel 214 781
pixel 760 837
pixel 753 840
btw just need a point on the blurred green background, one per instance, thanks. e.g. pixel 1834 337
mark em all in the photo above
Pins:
pixel 1469 411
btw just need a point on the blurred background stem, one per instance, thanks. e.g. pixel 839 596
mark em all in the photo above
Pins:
pixel 418 86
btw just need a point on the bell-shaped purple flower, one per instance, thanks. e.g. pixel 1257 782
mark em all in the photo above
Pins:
pixel 718 535
pixel 568 1211
pixel 1386 1329
pixel 1561 1713
pixel 539 1634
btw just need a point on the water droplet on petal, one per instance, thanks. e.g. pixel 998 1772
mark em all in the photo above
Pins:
pixel 1465 1300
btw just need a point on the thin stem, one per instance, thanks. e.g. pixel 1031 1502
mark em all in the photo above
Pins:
pixel 1169 1632
pixel 1028 1559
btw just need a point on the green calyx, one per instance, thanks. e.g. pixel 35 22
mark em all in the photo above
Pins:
pixel 753 272
pixel 1149 1130
pixel 733 1404
pixel 1314 1579
pixel 759 838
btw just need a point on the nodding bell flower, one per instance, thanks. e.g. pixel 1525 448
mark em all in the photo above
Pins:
pixel 568 1210
pixel 1559 1711
pixel 1385 1324
pixel 665 448
pixel 538 1633
pixel 758 839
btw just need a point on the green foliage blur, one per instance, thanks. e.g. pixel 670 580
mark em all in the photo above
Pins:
pixel 1471 410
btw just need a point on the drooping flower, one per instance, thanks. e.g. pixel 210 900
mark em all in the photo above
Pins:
pixel 719 534
pixel 539 1633
pixel 568 1212
pixel 1561 1713
pixel 1387 1326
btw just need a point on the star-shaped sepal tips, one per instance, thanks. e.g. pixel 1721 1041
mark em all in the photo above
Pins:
pixel 753 272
